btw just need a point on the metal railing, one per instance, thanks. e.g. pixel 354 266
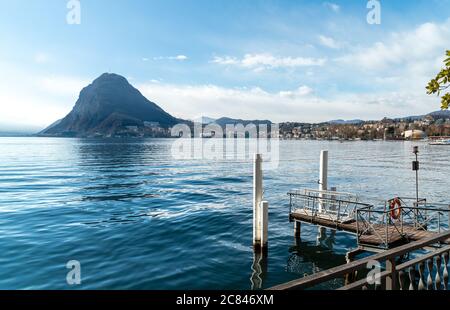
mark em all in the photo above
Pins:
pixel 402 268
pixel 336 207
pixel 411 218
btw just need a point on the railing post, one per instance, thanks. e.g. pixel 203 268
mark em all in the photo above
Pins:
pixel 392 278
pixel 386 241
pixel 357 226
pixel 401 220
pixel 333 201
pixel 439 222
pixel 448 216
pixel 257 198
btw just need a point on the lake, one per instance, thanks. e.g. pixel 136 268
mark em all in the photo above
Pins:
pixel 135 218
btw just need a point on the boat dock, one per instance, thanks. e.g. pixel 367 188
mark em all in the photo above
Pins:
pixel 376 228
pixel 392 230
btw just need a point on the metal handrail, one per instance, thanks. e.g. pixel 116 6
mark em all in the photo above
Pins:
pixel 422 215
pixel 334 208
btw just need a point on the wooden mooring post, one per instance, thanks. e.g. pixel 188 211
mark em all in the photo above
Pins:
pixel 260 207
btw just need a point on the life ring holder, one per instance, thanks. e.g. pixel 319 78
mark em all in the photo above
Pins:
pixel 395 208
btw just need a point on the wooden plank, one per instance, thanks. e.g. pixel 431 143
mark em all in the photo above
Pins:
pixel 349 227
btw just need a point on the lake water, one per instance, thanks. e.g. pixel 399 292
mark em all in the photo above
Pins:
pixel 135 218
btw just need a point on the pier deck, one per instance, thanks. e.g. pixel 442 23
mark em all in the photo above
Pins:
pixel 378 228
pixel 374 236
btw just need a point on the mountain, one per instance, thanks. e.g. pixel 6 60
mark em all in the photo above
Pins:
pixel 232 121
pixel 107 107
pixel 440 114
pixel 444 114
pixel 346 122
pixel 204 120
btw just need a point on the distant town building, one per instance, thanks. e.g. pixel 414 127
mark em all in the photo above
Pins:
pixel 414 134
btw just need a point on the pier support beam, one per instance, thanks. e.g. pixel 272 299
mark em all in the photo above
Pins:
pixel 297 229
pixel 323 181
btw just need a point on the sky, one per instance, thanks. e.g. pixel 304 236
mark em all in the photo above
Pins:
pixel 292 60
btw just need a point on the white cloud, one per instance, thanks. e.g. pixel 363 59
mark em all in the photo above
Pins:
pixel 328 42
pixel 181 57
pixel 187 101
pixel 403 62
pixel 178 57
pixel 46 99
pixel 301 91
pixel 41 58
pixel 62 85
pixel 268 61
pixel 332 6
pixel 227 60
pixel 427 42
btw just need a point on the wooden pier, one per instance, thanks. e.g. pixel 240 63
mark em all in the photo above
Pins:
pixel 397 228
pixel 370 238
pixel 374 226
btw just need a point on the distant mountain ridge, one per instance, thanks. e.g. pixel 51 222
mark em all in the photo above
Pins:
pixel 107 106
pixel 233 121
pixel 111 106
pixel 204 120
pixel 435 114
pixel 346 122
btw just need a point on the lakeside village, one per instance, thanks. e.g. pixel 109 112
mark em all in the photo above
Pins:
pixel 436 124
pixel 416 128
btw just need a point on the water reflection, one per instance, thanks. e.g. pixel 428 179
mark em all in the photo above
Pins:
pixel 319 254
pixel 324 239
pixel 259 270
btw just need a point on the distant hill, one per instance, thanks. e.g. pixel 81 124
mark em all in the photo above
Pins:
pixel 204 120
pixel 232 121
pixel 346 122
pixel 436 114
pixel 107 106
pixel 440 114
pixel 15 134
pixel 445 114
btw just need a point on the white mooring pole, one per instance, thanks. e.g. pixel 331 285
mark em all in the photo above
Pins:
pixel 264 212
pixel 257 199
pixel 323 181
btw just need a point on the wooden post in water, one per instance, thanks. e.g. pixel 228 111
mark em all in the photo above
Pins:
pixel 264 213
pixel 323 181
pixel 257 199
pixel 297 229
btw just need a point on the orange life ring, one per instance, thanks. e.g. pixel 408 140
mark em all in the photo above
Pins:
pixel 395 208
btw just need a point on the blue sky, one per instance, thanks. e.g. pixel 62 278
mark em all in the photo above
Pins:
pixel 279 60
